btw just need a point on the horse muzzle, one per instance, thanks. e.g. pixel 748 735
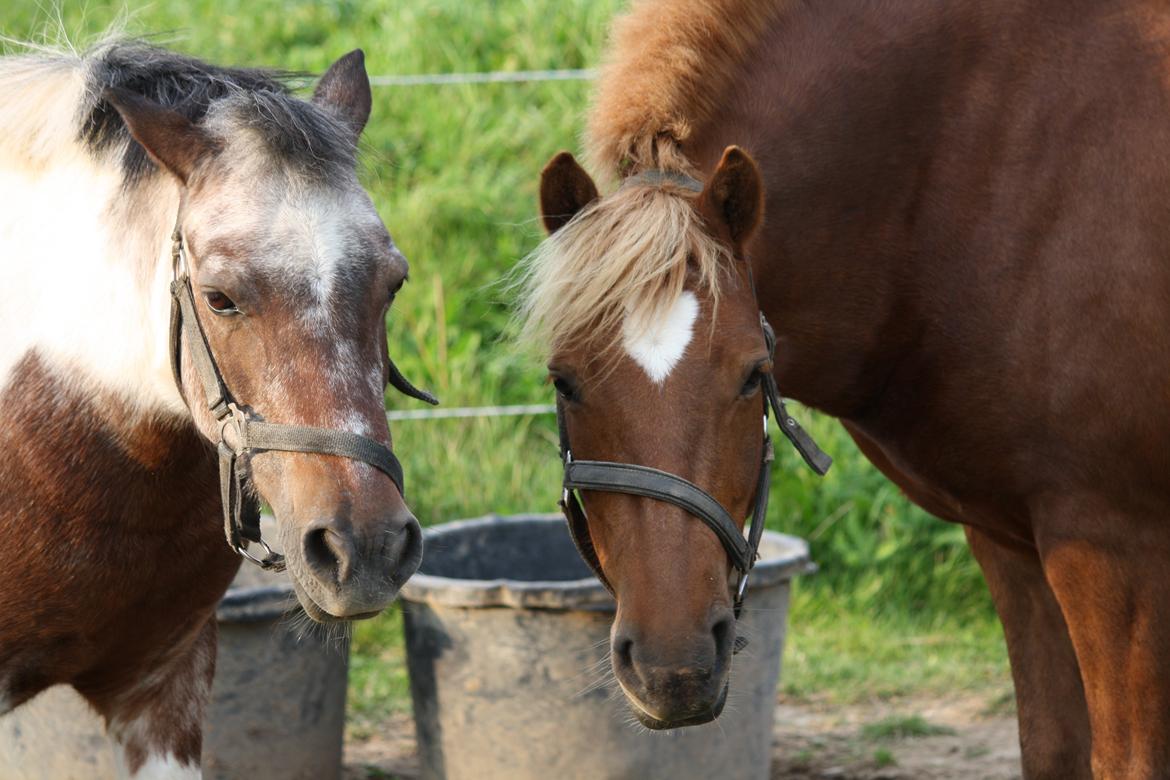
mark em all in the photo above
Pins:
pixel 341 573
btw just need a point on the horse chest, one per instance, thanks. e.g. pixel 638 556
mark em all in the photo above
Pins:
pixel 952 478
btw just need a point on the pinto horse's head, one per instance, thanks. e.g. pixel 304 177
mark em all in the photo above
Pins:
pixel 645 303
pixel 293 272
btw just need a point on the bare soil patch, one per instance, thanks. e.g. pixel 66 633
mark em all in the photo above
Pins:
pixel 969 737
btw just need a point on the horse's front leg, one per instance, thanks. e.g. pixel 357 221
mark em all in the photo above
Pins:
pixel 1110 572
pixel 157 719
pixel 1054 721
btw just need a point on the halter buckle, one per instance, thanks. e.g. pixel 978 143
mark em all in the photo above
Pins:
pixel 178 258
pixel 237 422
pixel 565 489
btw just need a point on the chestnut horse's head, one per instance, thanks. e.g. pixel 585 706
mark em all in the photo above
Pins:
pixel 645 303
pixel 292 274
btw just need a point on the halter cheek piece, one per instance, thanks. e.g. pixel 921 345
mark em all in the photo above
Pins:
pixel 242 432
pixel 652 483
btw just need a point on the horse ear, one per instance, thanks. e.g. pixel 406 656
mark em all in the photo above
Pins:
pixel 735 194
pixel 345 90
pixel 171 140
pixel 565 189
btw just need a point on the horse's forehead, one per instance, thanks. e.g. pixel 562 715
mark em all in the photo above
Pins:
pixel 322 222
pixel 314 231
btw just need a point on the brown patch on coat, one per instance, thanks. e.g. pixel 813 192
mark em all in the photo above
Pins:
pixel 116 556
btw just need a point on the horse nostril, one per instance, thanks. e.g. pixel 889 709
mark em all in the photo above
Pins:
pixel 724 633
pixel 328 554
pixel 623 651
pixel 403 550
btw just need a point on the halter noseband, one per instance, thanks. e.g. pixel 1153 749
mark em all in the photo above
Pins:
pixel 242 432
pixel 633 479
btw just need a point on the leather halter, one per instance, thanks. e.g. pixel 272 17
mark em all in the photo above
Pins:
pixel 633 479
pixel 241 432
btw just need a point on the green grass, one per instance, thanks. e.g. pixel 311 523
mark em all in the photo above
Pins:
pixel 903 727
pixel 898 607
pixel 378 683
pixel 842 654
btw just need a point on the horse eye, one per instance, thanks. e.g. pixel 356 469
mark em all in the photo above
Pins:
pixel 219 303
pixel 564 388
pixel 397 288
pixel 752 384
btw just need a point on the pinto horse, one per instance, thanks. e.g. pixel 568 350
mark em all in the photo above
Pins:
pixel 965 255
pixel 114 556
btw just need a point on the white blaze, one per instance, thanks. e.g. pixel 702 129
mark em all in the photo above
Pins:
pixel 658 347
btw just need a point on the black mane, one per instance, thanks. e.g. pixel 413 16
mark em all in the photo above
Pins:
pixel 295 130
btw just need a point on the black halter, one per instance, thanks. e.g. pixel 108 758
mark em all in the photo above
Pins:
pixel 662 486
pixel 241 431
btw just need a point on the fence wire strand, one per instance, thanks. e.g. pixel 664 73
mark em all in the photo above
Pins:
pixel 461 412
pixel 489 77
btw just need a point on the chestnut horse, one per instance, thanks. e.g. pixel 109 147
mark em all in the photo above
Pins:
pixel 965 256
pixel 114 554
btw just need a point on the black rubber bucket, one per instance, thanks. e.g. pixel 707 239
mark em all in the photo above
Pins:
pixel 507 637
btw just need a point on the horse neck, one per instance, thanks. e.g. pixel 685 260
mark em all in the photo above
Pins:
pixel 842 104
pixel 87 271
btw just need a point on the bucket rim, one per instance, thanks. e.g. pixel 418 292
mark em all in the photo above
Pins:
pixel 782 557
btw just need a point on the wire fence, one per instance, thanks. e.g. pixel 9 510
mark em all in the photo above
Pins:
pixel 488 77
pixel 463 412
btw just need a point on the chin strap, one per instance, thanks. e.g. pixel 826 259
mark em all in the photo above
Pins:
pixel 242 432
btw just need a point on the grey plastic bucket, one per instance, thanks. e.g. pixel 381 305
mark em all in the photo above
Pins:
pixel 277 703
pixel 507 634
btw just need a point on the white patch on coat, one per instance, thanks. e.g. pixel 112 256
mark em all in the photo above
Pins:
pixel 69 290
pixel 315 229
pixel 70 294
pixel 157 767
pixel 40 96
pixel 659 346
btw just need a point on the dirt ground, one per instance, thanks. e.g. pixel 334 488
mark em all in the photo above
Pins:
pixel 960 738
pixel 972 739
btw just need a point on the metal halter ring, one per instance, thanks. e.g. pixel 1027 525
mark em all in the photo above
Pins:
pixel 271 560
pixel 742 588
